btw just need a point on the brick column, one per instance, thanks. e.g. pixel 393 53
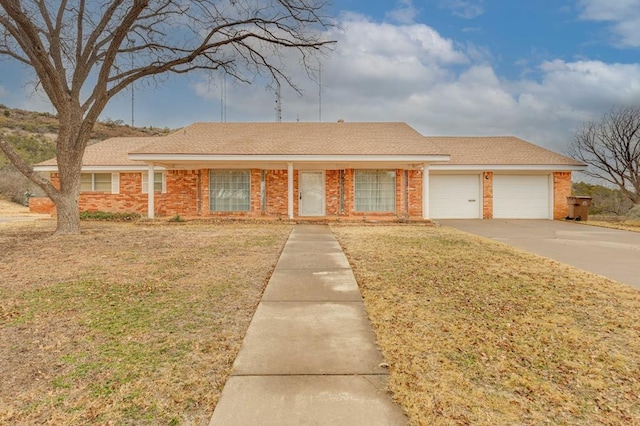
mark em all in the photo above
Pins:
pixel 151 192
pixel 290 190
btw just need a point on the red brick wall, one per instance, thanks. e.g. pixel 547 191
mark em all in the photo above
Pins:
pixel 180 198
pixel 414 190
pixel 561 190
pixel 332 192
pixel 487 195
pixel 42 205
pixel 276 186
pixel 188 195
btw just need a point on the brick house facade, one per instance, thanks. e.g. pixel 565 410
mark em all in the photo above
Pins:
pixel 356 185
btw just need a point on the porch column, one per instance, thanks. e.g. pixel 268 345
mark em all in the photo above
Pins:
pixel 150 192
pixel 290 190
pixel 425 191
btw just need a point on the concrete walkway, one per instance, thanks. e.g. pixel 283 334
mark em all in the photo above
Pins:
pixel 309 356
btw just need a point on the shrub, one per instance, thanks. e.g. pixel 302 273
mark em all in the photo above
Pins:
pixel 16 187
pixel 176 218
pixel 112 217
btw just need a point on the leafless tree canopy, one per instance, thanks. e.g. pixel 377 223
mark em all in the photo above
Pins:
pixel 611 148
pixel 83 53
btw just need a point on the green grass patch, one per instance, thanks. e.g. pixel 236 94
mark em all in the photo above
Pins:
pixel 96 335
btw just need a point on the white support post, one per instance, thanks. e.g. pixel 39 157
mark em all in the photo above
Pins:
pixel 151 192
pixel 290 190
pixel 425 191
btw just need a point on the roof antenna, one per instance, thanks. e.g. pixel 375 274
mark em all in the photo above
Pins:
pixel 223 100
pixel 278 103
pixel 320 91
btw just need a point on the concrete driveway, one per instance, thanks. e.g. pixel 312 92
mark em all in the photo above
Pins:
pixel 609 252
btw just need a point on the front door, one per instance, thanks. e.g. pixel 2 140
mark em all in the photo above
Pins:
pixel 311 197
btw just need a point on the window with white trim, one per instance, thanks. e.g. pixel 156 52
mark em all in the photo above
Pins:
pixel 159 182
pixel 230 190
pixel 96 182
pixel 375 190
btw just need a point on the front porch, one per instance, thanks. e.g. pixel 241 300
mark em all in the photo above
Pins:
pixel 306 193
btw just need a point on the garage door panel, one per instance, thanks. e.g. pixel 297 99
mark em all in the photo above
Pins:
pixel 521 197
pixel 454 196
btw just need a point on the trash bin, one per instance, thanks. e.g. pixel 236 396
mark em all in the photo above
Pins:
pixel 578 207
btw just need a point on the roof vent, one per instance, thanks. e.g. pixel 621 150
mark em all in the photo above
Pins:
pixel 341 121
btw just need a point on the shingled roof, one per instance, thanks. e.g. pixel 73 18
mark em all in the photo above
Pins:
pixel 310 139
pixel 293 139
pixel 110 152
pixel 497 150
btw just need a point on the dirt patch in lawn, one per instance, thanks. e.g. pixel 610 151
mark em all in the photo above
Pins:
pixel 479 333
pixel 126 323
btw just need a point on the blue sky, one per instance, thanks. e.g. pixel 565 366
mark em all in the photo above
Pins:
pixel 534 69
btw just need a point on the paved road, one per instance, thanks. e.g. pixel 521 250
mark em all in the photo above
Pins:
pixel 609 252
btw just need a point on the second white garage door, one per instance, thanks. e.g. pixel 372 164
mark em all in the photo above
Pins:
pixel 455 197
pixel 521 197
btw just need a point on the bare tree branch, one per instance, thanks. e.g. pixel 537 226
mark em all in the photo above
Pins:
pixel 611 148
pixel 25 168
pixel 85 53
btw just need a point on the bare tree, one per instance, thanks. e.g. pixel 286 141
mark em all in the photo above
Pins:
pixel 611 148
pixel 85 52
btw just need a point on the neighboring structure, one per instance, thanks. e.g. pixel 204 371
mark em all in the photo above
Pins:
pixel 361 171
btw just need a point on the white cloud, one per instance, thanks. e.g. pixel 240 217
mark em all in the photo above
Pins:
pixel 385 72
pixel 467 9
pixel 441 87
pixel 404 13
pixel 3 92
pixel 623 15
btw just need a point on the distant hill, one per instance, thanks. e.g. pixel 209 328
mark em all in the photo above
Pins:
pixel 34 135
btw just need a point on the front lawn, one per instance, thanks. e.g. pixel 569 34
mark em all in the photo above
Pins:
pixel 626 225
pixel 126 323
pixel 476 332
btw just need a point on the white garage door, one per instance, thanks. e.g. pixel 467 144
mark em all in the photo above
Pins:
pixel 521 197
pixel 455 197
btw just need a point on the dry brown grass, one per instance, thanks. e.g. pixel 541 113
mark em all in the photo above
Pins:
pixel 126 323
pixel 479 333
pixel 8 208
pixel 627 225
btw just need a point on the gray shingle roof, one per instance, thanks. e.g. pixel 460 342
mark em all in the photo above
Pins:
pixel 293 139
pixel 321 139
pixel 497 150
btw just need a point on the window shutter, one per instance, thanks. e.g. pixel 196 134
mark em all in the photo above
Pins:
pixel 115 183
pixel 145 183
pixel 164 183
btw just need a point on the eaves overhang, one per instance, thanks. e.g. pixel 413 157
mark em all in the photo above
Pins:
pixel 267 161
pixel 507 167
pixel 103 168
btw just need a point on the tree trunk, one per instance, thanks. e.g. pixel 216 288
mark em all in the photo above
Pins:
pixel 70 150
pixel 68 222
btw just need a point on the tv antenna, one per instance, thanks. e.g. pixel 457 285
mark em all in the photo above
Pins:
pixel 319 91
pixel 278 103
pixel 223 100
